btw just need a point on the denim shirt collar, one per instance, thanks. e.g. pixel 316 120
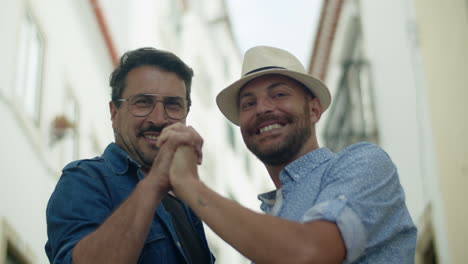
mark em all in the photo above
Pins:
pixel 118 160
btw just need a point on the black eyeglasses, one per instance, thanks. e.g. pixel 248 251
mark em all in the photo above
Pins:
pixel 141 105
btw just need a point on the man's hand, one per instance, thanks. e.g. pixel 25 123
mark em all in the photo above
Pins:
pixel 178 134
pixel 172 137
pixel 183 168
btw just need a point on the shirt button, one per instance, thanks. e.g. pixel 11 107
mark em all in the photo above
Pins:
pixel 341 197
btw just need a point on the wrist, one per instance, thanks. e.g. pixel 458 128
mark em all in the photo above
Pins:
pixel 152 186
pixel 187 188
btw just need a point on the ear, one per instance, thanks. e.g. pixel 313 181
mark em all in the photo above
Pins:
pixel 315 109
pixel 114 112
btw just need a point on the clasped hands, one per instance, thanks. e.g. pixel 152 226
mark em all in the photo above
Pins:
pixel 175 166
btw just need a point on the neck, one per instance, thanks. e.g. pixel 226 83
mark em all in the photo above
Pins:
pixel 274 172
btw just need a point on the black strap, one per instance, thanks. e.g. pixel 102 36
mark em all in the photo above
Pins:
pixel 187 235
pixel 263 68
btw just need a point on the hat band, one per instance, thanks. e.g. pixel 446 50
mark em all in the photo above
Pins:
pixel 263 68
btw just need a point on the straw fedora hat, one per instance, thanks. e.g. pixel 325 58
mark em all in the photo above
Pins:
pixel 263 60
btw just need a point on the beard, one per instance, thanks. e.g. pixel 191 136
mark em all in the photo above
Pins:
pixel 146 158
pixel 284 152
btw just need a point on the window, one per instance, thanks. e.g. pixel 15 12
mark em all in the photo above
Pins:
pixel 352 116
pixel 29 74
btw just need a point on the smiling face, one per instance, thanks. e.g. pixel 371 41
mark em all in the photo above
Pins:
pixel 138 135
pixel 277 119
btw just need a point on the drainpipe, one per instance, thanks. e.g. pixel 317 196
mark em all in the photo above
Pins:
pixel 105 31
pixel 329 18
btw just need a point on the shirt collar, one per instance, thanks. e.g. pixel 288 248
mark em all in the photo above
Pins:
pixel 302 166
pixel 268 201
pixel 118 160
pixel 294 171
pixel 268 197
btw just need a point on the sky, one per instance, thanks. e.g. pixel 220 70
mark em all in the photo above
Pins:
pixel 286 24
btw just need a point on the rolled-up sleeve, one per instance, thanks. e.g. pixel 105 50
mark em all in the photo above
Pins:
pixel 346 219
pixel 362 194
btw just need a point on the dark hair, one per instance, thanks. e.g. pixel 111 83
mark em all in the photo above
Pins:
pixel 164 60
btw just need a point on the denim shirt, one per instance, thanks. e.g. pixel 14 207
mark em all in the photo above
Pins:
pixel 89 191
pixel 359 190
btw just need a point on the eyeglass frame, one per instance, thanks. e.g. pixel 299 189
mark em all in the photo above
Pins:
pixel 154 104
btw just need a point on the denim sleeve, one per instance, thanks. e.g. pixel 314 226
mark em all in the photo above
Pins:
pixel 77 206
pixel 362 194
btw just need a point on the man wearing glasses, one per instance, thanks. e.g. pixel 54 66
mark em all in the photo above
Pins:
pixel 117 208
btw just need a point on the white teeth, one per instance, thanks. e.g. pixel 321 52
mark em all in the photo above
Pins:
pixel 152 137
pixel 270 127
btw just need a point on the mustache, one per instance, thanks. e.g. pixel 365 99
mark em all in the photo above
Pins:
pixel 151 128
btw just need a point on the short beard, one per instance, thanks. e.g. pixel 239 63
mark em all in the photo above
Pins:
pixel 285 152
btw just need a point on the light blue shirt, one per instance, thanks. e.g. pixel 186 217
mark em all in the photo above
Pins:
pixel 359 190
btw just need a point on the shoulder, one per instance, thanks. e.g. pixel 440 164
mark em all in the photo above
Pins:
pixel 110 158
pixel 84 166
pixel 366 154
pixel 363 162
pixel 83 163
pixel 81 180
pixel 363 149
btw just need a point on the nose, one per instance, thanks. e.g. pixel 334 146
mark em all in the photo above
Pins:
pixel 264 105
pixel 158 116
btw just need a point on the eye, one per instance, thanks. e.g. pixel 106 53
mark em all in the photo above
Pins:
pixel 279 94
pixel 174 103
pixel 246 104
pixel 142 101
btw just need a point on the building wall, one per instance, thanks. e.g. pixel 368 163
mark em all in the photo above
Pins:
pixel 75 69
pixel 443 38
pixel 74 84
pixel 407 70
pixel 393 82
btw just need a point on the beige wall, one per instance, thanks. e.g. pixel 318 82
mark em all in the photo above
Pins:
pixel 443 36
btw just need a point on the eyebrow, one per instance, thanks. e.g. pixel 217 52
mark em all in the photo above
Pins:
pixel 158 95
pixel 270 87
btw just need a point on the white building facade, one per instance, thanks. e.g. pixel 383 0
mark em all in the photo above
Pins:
pixel 374 58
pixel 54 97
pixel 53 100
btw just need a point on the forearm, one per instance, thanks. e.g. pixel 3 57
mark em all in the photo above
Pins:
pixel 261 238
pixel 121 237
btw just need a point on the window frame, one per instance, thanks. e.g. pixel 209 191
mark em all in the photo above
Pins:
pixel 31 40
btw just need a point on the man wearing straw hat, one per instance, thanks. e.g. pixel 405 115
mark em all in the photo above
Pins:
pixel 327 208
